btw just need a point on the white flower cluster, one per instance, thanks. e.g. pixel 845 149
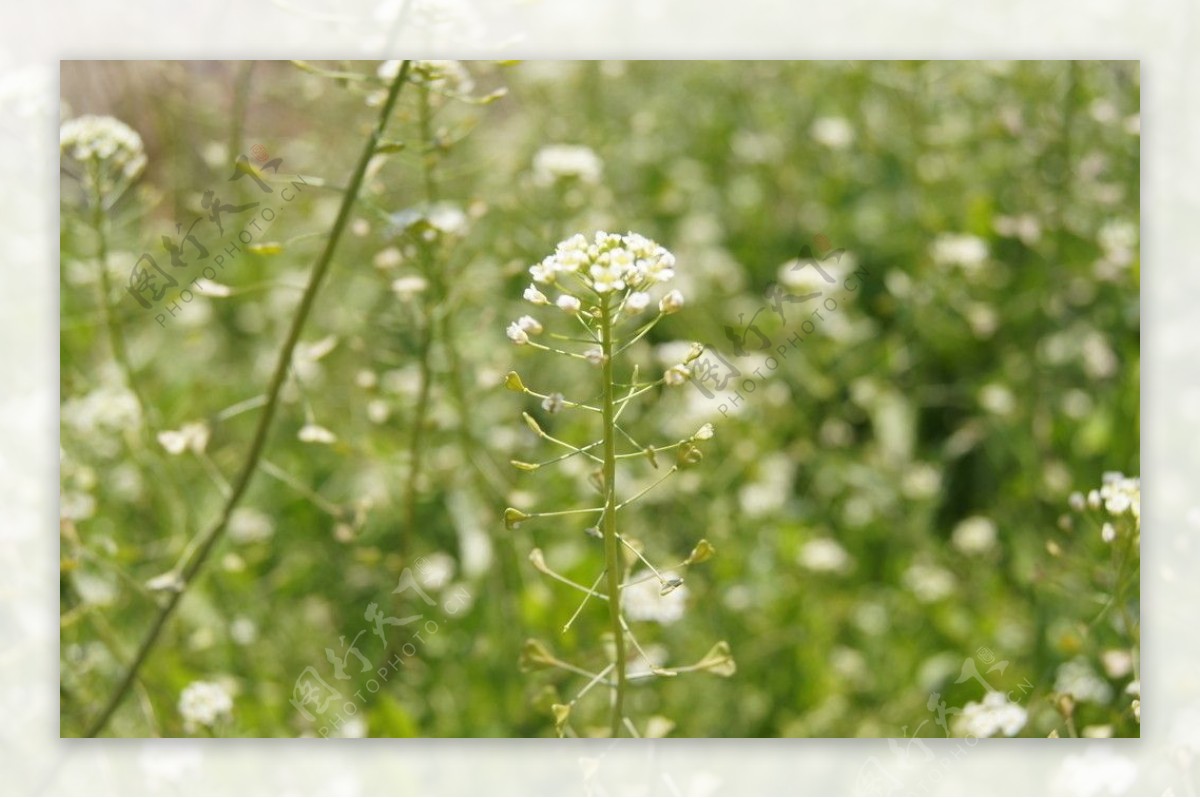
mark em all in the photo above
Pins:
pixel 1119 496
pixel 105 139
pixel 563 161
pixel 203 704
pixel 608 263
pixel 994 715
pixel 629 264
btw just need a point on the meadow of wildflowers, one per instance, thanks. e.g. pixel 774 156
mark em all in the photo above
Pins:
pixel 701 399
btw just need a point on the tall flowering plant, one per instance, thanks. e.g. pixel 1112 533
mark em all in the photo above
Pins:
pixel 613 288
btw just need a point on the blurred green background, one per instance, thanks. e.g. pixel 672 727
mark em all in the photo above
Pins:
pixel 889 502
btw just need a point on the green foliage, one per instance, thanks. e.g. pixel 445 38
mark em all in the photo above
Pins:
pixel 888 501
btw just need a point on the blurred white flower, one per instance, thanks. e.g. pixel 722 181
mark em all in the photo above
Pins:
pixel 824 555
pixel 568 303
pixel 928 582
pixel 1077 678
pixel 994 715
pixel 560 161
pixel 833 132
pixel 192 436
pixel 998 399
pixel 1024 227
pixel 960 249
pixel 405 288
pixel 643 599
pixel 202 704
pixel 436 570
pixel 315 433
pixel 248 525
pixel 243 631
pixel 110 151
pixel 974 535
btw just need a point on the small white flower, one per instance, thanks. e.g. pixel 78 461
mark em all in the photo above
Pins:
pixel 407 287
pixel 672 302
pixel 315 433
pixel 974 535
pixel 561 161
pixel 824 555
pixel 203 704
pixel 1076 502
pixel 637 301
pixel 532 294
pixel 833 132
pixel 192 436
pixel 569 303
pixel 704 433
pixel 994 715
pixel 249 525
pixel 516 334
pixel 595 356
pixel 677 375
pixel 960 249
pixel 1108 532
pixel 553 403
pixel 530 325
pixel 1077 679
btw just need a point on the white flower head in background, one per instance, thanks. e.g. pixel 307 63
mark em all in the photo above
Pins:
pixel 566 161
pixel 960 249
pixel 315 433
pixel 974 535
pixel 203 704
pixel 824 555
pixel 109 152
pixel 192 437
pixel 833 132
pixel 647 598
pixel 994 715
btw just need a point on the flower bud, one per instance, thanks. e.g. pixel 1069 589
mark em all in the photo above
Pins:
pixel 532 294
pixel 570 304
pixel 672 302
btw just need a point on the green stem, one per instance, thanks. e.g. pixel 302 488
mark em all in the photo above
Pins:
pixel 282 366
pixel 612 551
pixel 116 341
pixel 425 334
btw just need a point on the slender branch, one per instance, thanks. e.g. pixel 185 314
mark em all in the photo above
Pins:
pixel 612 552
pixel 192 569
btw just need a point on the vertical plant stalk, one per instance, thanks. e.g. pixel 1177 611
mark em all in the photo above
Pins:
pixel 116 341
pixel 425 340
pixel 282 366
pixel 612 552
